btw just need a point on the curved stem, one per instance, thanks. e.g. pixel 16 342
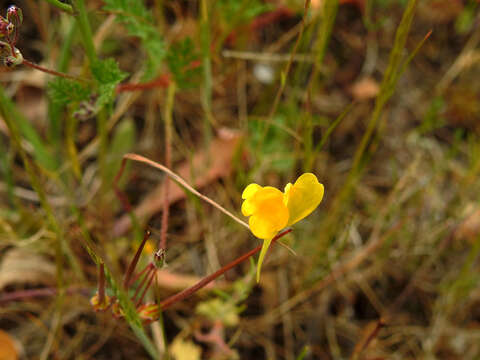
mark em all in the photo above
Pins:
pixel 182 182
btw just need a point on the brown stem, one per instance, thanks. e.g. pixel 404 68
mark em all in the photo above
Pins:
pixel 133 263
pixel 52 72
pixel 206 280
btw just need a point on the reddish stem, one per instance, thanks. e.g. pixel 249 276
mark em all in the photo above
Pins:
pixel 101 284
pixel 151 276
pixel 168 164
pixel 135 279
pixel 161 81
pixel 133 263
pixel 208 279
pixel 142 283
pixel 51 72
pixel 120 194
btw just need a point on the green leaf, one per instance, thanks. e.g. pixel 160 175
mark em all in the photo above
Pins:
pixel 41 153
pixel 139 22
pixel 180 58
pixel 107 71
pixel 274 144
pixel 108 75
pixel 63 91
pixel 235 12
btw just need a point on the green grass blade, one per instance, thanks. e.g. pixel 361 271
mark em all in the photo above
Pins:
pixel 40 151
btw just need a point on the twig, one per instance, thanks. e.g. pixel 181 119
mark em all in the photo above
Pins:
pixel 52 72
pixel 162 81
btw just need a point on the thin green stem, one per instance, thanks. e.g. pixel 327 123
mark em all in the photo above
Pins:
pixel 285 73
pixel 54 110
pixel 85 30
pixel 62 6
pixel 7 172
pixel 388 83
pixel 70 133
pixel 328 21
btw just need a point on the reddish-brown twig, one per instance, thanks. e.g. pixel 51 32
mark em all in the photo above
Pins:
pixel 206 280
pixel 162 81
pixel 133 263
pixel 52 72
pixel 150 276
pixel 101 283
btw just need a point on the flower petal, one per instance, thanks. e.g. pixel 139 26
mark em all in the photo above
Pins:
pixel 303 197
pixel 250 190
pixel 248 207
pixel 286 193
pixel 263 228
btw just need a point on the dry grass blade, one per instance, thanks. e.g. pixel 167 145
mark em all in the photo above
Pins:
pixel 182 182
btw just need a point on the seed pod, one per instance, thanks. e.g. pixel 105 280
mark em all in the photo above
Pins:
pixel 11 61
pixel 15 16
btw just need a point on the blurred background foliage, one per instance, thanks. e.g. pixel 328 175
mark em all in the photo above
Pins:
pixel 226 93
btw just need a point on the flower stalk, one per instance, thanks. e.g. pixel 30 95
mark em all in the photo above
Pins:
pixel 133 263
pixel 208 279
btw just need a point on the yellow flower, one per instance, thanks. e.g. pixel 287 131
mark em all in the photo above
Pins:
pixel 270 210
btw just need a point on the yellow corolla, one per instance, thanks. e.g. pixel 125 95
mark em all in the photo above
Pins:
pixel 270 210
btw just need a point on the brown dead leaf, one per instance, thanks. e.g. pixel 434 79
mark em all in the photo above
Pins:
pixel 364 89
pixel 8 348
pixel 469 228
pixel 219 162
pixel 20 266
